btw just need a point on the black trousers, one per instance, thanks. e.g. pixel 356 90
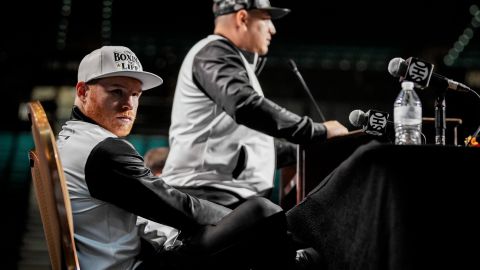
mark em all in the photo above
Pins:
pixel 219 196
pixel 252 236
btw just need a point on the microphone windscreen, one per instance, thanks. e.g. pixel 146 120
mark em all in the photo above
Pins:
pixel 357 118
pixel 397 67
pixel 292 65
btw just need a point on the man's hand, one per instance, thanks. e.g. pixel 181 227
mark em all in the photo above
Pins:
pixel 334 128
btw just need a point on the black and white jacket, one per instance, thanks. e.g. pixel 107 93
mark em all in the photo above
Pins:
pixel 109 186
pixel 222 126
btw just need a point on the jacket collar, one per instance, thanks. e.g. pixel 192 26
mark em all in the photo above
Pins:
pixel 79 116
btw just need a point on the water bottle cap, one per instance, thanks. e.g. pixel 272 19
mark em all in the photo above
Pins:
pixel 407 84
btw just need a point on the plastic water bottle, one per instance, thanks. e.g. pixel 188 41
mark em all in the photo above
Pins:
pixel 407 116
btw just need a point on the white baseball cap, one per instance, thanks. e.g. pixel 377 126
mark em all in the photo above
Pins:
pixel 109 61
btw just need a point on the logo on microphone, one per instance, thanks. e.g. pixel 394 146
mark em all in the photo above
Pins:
pixel 377 123
pixel 419 72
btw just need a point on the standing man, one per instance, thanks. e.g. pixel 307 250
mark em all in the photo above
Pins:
pixel 110 186
pixel 222 127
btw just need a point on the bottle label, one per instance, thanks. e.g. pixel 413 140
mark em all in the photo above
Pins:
pixel 407 115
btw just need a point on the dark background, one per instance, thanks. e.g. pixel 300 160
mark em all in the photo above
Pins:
pixel 341 48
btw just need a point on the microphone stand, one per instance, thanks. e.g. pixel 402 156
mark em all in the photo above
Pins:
pixel 440 122
pixel 305 87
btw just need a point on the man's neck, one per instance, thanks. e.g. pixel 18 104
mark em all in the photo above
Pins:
pixel 78 115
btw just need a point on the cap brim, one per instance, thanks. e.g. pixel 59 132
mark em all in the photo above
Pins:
pixel 149 80
pixel 276 13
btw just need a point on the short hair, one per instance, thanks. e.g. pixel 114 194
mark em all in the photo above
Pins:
pixel 155 159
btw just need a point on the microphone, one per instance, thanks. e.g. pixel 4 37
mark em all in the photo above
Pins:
pixel 372 122
pixel 305 87
pixel 420 72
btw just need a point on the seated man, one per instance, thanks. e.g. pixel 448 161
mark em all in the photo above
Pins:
pixel 155 159
pixel 110 186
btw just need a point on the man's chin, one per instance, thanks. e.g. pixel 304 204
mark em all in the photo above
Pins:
pixel 122 131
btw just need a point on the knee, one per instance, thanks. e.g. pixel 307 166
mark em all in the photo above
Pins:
pixel 263 207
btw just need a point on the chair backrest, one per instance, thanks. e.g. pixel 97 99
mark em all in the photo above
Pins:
pixel 51 191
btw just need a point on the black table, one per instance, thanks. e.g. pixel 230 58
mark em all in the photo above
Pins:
pixel 395 207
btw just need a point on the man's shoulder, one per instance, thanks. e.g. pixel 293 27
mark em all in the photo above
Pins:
pixel 215 50
pixel 114 155
pixel 114 146
pixel 76 128
pixel 218 44
pixel 79 136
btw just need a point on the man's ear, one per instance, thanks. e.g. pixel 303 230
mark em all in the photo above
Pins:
pixel 81 89
pixel 241 17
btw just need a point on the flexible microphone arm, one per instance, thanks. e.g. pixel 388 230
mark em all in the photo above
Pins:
pixel 305 87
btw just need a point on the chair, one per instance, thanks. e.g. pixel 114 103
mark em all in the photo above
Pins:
pixel 51 191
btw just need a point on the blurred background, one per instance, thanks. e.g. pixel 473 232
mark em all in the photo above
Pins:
pixel 342 49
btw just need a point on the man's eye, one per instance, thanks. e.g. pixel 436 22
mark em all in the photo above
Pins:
pixel 116 92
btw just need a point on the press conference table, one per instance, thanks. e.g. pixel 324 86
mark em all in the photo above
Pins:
pixel 395 207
